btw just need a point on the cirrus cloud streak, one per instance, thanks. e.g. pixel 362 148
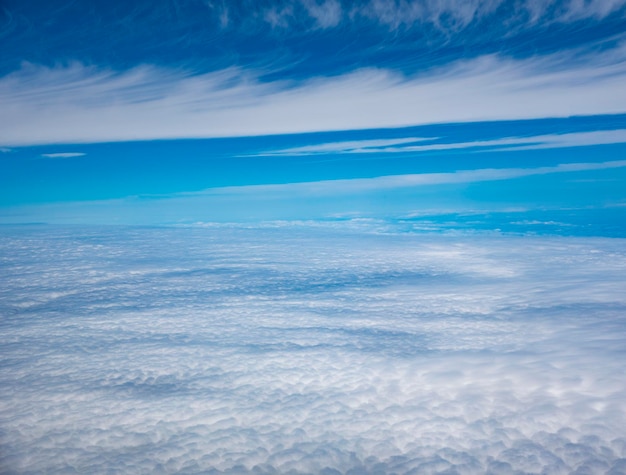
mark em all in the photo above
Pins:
pixel 85 104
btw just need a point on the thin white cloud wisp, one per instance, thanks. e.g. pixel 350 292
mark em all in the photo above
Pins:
pixel 404 145
pixel 63 155
pixel 389 182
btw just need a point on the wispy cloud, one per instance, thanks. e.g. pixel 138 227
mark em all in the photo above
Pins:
pixel 324 14
pixel 445 15
pixel 327 13
pixel 580 139
pixel 346 146
pixel 390 195
pixel 577 139
pixel 86 104
pixel 63 155
pixel 360 185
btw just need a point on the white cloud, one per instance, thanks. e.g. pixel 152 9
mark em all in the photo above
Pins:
pixel 268 350
pixel 63 155
pixel 346 146
pixel 279 16
pixel 580 9
pixel 576 139
pixel 448 16
pixel 327 14
pixel 357 185
pixel 83 104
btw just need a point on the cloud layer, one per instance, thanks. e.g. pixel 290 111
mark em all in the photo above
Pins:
pixel 242 68
pixel 310 350
pixel 87 104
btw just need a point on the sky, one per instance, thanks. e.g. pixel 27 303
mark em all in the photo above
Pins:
pixel 174 112
pixel 321 237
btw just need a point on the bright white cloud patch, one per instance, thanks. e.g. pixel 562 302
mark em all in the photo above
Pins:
pixel 287 350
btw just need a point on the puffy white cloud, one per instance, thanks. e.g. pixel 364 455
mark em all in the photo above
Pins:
pixel 310 350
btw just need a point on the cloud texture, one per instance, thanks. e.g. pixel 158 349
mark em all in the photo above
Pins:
pixel 243 68
pixel 310 350
pixel 87 104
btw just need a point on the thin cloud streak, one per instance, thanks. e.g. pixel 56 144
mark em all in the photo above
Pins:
pixel 63 155
pixel 356 185
pixel 372 145
pixel 576 139
pixel 80 104
pixel 233 203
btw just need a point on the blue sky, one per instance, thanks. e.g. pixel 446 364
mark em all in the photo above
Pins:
pixel 186 111
pixel 367 237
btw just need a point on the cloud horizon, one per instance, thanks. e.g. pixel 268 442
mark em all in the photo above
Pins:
pixel 295 237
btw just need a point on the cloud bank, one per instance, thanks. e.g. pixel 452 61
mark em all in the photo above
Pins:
pixel 88 104
pixel 310 350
